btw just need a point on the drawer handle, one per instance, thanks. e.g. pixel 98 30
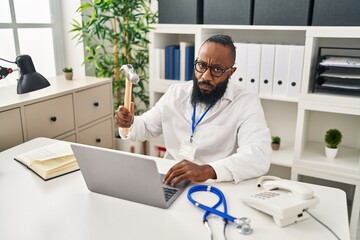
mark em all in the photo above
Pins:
pixel 53 119
pixel 96 104
pixel 98 140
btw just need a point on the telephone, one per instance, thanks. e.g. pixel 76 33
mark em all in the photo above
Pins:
pixel 285 200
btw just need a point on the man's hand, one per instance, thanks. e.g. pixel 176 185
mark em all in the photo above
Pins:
pixel 186 170
pixel 123 117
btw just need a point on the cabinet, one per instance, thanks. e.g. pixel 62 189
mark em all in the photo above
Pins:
pixel 78 111
pixel 301 121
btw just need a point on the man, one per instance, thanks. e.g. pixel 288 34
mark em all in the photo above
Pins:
pixel 215 129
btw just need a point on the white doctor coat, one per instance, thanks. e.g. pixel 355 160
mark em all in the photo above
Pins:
pixel 233 137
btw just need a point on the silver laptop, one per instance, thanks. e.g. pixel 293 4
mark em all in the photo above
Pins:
pixel 124 175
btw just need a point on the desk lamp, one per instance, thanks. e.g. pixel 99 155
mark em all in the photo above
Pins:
pixel 29 80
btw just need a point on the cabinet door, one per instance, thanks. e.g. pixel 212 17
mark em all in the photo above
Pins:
pixel 11 132
pixel 50 118
pixel 93 104
pixel 100 135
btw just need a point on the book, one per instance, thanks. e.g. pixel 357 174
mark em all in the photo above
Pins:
pixel 50 161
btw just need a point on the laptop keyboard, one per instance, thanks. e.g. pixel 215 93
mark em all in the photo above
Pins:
pixel 169 192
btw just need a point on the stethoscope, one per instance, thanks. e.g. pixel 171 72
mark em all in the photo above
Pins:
pixel 243 224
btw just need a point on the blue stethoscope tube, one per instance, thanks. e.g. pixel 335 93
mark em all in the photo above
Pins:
pixel 213 209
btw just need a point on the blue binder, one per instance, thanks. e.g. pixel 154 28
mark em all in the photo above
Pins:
pixel 169 61
pixel 189 62
pixel 176 64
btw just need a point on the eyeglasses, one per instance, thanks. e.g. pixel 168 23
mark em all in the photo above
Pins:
pixel 215 71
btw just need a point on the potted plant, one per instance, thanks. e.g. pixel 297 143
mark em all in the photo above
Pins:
pixel 332 140
pixel 114 33
pixel 275 142
pixel 68 71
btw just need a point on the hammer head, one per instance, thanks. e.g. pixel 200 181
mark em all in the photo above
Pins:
pixel 130 73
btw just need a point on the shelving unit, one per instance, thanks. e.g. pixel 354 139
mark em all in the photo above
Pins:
pixel 301 122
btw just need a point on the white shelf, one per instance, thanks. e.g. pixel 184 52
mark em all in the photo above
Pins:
pixel 346 161
pixel 284 156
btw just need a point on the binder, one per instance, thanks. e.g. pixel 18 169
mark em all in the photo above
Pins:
pixel 169 61
pixel 267 69
pixel 176 64
pixel 281 69
pixel 296 60
pixel 189 62
pixel 253 67
pixel 159 63
pixel 184 59
pixel 239 76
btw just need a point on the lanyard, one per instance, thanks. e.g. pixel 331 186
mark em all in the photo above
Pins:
pixel 194 124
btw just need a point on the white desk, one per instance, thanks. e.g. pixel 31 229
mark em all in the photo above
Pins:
pixel 64 209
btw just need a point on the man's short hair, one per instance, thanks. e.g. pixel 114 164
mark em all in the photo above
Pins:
pixel 224 40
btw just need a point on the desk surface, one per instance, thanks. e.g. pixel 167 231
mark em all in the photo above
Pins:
pixel 63 208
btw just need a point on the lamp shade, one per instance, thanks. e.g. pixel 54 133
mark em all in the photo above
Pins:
pixel 30 80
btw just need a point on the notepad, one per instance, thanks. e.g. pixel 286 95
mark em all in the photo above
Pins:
pixel 50 161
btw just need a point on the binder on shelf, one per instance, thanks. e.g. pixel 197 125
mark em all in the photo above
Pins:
pixel 159 63
pixel 296 60
pixel 189 62
pixel 239 76
pixel 267 69
pixel 253 67
pixel 281 69
pixel 176 64
pixel 169 61
pixel 185 47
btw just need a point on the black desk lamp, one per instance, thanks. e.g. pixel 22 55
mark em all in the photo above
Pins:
pixel 29 80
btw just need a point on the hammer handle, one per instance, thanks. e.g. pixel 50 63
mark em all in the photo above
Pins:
pixel 127 100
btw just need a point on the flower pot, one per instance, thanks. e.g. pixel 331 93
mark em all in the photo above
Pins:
pixel 275 146
pixel 331 153
pixel 68 75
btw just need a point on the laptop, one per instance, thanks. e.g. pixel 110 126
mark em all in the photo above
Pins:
pixel 124 175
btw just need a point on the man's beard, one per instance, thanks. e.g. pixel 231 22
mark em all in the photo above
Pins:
pixel 209 99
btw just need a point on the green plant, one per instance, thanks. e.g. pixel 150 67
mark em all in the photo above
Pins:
pixel 114 33
pixel 67 69
pixel 275 139
pixel 333 138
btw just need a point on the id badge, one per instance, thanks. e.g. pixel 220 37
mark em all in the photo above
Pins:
pixel 187 151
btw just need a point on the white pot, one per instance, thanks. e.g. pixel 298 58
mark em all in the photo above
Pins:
pixel 331 153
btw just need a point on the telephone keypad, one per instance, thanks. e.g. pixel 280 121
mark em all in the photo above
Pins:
pixel 266 195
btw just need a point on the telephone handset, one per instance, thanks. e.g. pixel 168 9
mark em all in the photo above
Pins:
pixel 285 200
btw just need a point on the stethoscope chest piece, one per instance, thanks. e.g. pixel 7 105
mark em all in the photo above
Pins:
pixel 244 226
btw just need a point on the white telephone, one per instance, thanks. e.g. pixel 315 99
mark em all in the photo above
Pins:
pixel 285 200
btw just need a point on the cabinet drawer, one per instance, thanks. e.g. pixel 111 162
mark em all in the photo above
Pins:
pixel 92 104
pixel 50 118
pixel 11 132
pixel 100 135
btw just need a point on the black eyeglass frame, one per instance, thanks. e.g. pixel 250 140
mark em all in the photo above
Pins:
pixel 211 69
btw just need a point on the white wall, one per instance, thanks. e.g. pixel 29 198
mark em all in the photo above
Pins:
pixel 74 52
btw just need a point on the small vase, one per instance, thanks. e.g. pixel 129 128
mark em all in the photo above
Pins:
pixel 68 75
pixel 331 153
pixel 275 146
